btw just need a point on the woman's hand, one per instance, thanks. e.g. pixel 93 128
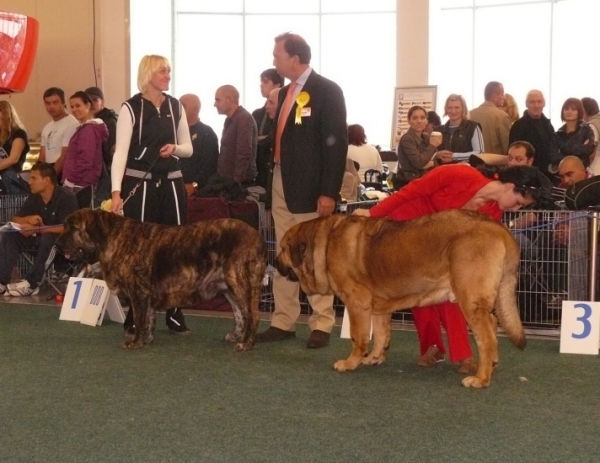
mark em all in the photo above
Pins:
pixel 435 141
pixel 444 156
pixel 116 205
pixel 167 150
pixel 362 212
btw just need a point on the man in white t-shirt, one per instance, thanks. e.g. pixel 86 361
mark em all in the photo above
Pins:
pixel 57 133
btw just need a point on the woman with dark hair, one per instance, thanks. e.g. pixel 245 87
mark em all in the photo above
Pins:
pixel 359 151
pixel 575 137
pixel 433 121
pixel 457 186
pixel 13 149
pixel 84 161
pixel 416 150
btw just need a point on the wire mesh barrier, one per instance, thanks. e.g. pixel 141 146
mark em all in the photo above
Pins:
pixel 9 206
pixel 554 263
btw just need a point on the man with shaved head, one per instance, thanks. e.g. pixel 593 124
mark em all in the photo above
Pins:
pixel 571 170
pixel 537 129
pixel 237 158
pixel 202 164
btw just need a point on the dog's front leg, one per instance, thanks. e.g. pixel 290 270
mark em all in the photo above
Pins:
pixel 360 326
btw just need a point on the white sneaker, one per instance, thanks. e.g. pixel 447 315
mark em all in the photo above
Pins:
pixel 2 290
pixel 22 288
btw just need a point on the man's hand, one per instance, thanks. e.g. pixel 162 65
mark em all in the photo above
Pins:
pixel 190 189
pixel 34 220
pixel 362 212
pixel 28 229
pixel 325 206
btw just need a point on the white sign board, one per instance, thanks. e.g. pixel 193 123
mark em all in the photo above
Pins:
pixel 87 300
pixel 580 327
pixel 93 312
pixel 345 333
pixel 75 299
pixel 404 99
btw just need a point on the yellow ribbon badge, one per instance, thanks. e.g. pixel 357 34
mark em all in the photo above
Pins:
pixel 301 100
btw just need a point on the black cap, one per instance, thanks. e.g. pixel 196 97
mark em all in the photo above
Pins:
pixel 94 93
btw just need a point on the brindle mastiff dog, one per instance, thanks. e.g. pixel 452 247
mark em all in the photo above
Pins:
pixel 158 266
pixel 377 266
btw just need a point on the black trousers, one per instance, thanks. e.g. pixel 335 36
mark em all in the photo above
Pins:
pixel 159 201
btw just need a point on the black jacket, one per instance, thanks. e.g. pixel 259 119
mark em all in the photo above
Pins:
pixel 313 153
pixel 540 133
pixel 109 117
pixel 461 140
pixel 574 143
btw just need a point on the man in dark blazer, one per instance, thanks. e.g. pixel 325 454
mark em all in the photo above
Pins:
pixel 309 157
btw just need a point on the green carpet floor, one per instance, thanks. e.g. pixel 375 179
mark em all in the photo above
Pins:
pixel 71 394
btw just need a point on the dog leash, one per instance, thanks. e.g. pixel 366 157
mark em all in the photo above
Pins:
pixel 134 189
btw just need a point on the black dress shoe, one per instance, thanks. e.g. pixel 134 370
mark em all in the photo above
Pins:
pixel 179 329
pixel 274 334
pixel 318 339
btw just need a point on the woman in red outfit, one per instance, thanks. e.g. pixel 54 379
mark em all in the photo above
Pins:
pixel 457 186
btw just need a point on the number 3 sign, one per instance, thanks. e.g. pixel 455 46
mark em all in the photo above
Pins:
pixel 580 327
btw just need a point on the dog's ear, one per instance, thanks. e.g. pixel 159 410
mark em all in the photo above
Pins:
pixel 297 252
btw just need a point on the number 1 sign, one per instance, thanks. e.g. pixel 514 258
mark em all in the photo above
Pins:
pixel 75 299
pixel 580 327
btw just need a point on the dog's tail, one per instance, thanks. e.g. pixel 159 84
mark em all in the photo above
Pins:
pixel 506 307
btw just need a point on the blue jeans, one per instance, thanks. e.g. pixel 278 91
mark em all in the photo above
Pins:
pixel 11 246
pixel 14 183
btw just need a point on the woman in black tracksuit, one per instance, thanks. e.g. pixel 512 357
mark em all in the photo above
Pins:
pixel 152 133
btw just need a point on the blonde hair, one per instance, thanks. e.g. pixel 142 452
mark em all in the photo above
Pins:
pixel 9 121
pixel 510 107
pixel 456 97
pixel 148 66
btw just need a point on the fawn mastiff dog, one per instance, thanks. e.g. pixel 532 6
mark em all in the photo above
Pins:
pixel 159 266
pixel 377 266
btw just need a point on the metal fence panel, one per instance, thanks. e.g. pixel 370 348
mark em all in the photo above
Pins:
pixel 554 262
pixel 9 206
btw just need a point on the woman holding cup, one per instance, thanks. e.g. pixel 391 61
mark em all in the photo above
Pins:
pixel 416 150
pixel 460 137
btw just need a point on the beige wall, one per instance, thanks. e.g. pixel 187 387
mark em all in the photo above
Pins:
pixel 65 52
pixel 412 46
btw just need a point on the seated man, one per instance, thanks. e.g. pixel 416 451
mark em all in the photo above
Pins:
pixel 571 170
pixel 40 220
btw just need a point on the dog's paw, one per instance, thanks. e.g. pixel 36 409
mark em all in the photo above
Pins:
pixel 232 337
pixel 345 365
pixel 132 344
pixel 373 360
pixel 474 381
pixel 243 346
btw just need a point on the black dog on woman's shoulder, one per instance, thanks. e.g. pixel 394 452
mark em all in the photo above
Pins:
pixel 157 266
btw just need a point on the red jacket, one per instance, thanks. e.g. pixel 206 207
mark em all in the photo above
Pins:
pixel 445 187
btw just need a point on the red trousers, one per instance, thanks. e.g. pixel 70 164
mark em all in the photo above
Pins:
pixel 429 321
